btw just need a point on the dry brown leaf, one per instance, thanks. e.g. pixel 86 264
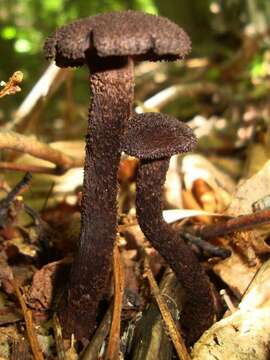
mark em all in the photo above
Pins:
pixel 250 190
pixel 245 333
pixel 40 295
pixel 235 273
pixel 238 270
pixel 257 156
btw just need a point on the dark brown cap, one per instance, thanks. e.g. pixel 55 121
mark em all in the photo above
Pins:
pixel 126 33
pixel 155 136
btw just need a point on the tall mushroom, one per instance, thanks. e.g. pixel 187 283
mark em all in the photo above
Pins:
pixel 108 44
pixel 154 138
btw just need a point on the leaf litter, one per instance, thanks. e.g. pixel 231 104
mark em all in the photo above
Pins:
pixel 208 190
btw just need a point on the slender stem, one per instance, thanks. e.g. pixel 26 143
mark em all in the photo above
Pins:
pixel 112 90
pixel 198 309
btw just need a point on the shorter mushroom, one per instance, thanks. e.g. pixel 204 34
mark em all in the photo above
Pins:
pixel 154 138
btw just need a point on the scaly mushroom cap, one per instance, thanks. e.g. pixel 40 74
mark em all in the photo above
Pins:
pixel 155 136
pixel 126 33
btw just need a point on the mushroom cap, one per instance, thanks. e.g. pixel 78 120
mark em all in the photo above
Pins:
pixel 125 33
pixel 155 136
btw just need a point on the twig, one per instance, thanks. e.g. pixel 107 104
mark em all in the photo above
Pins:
pixel 31 168
pixel 166 315
pixel 27 313
pixel 162 98
pixel 210 249
pixel 7 201
pixel 10 140
pixel 40 93
pixel 239 223
pixel 12 86
pixel 18 188
pixel 227 300
pixel 114 337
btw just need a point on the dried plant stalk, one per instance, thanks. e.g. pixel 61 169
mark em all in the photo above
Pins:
pixel 27 313
pixel 114 338
pixel 167 317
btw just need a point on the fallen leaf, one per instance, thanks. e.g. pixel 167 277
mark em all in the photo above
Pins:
pixel 45 280
pixel 245 333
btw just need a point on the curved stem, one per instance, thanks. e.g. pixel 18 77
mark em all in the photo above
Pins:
pixel 198 307
pixel 112 90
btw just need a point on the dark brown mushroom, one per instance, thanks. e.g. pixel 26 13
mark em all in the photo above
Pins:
pixel 154 138
pixel 108 43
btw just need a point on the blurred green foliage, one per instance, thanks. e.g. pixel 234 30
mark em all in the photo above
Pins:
pixel 24 25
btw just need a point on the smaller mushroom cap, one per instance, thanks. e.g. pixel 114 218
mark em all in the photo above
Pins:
pixel 123 33
pixel 155 136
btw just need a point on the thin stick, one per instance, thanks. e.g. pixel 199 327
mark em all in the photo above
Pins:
pixel 27 313
pixel 6 203
pixel 114 337
pixel 31 168
pixel 174 334
pixel 18 189
pixel 10 140
pixel 163 97
pixel 39 95
pixel 210 249
pixel 239 223
pixel 226 298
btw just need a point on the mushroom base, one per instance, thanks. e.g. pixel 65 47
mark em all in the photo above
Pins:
pixel 112 90
pixel 198 306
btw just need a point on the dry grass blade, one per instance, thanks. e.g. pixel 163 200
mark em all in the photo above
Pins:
pixel 114 337
pixel 29 324
pixel 58 338
pixel 166 315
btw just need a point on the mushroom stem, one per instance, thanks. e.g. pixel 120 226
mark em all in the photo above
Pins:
pixel 198 307
pixel 112 87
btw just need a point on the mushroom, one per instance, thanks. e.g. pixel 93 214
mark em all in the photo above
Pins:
pixel 154 138
pixel 108 44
